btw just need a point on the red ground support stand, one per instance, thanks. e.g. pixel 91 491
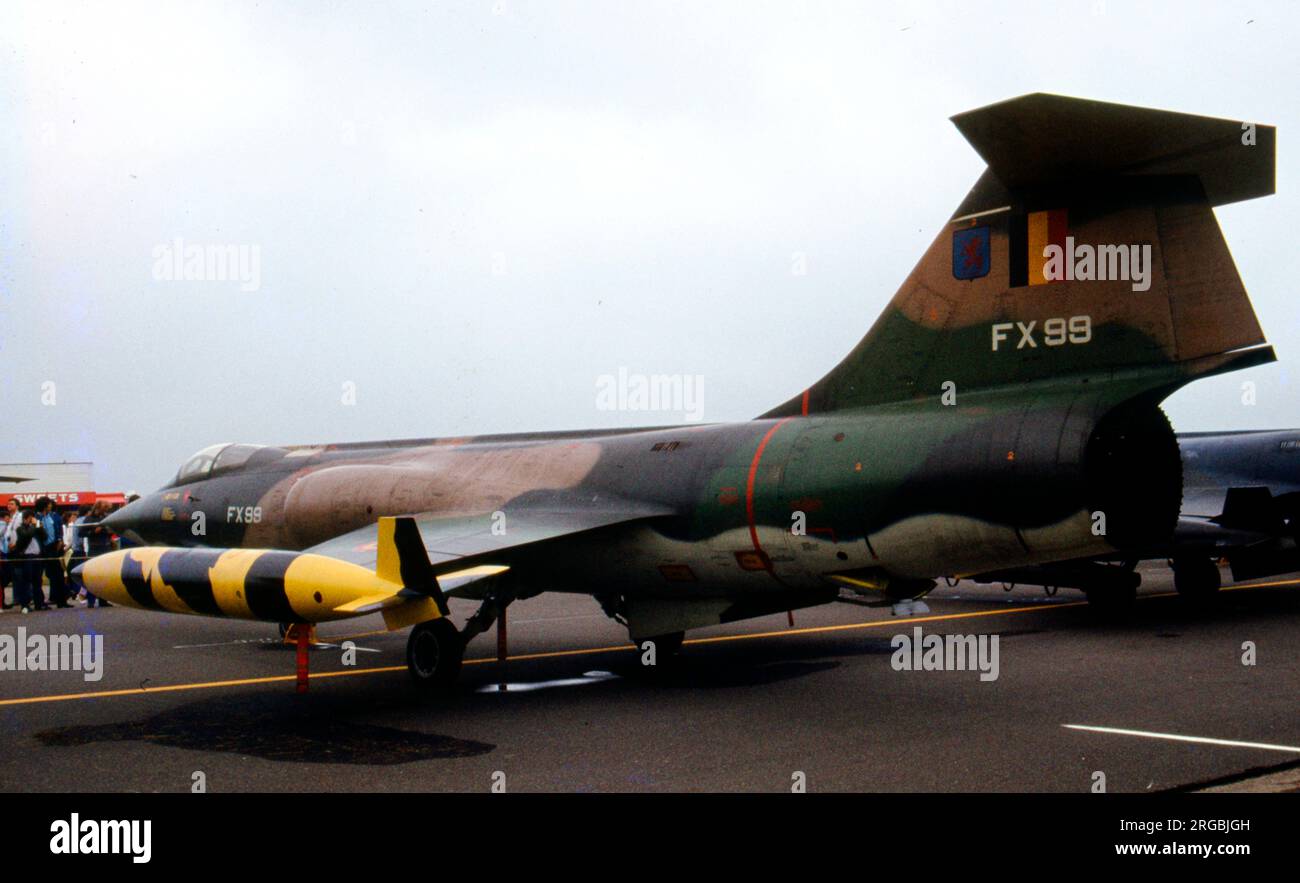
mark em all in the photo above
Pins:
pixel 501 647
pixel 302 635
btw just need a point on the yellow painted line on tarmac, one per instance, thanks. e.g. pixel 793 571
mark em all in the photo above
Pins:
pixel 555 654
pixel 1281 582
pixel 204 685
pixel 332 638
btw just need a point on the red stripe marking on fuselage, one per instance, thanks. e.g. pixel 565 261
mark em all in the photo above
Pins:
pixel 749 485
pixel 804 408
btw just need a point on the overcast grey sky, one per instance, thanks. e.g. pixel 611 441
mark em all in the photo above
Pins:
pixel 471 211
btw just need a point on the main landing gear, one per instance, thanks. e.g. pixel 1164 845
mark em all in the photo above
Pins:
pixel 1115 600
pixel 1196 579
pixel 666 646
pixel 433 654
pixel 1113 590
pixel 435 649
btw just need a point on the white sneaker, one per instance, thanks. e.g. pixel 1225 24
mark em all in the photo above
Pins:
pixel 26 610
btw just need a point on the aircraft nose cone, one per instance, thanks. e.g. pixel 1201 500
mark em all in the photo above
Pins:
pixel 125 522
pixel 122 519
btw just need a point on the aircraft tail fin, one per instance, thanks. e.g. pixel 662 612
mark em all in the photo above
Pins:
pixel 1088 246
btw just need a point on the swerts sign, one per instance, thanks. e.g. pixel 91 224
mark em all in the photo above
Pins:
pixel 67 498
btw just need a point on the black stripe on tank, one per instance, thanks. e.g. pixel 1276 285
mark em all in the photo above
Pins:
pixel 1018 249
pixel 189 573
pixel 413 562
pixel 137 586
pixel 264 588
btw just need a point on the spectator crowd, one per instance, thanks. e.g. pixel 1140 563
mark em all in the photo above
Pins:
pixel 40 547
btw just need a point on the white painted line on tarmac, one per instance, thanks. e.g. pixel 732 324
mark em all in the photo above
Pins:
pixel 1175 737
pixel 320 645
pixel 591 677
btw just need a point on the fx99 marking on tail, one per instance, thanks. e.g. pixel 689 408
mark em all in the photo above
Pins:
pixel 1055 332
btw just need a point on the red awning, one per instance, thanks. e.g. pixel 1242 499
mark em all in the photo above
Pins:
pixel 65 498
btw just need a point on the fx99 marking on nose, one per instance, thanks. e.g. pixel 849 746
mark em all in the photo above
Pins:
pixel 243 514
pixel 1054 332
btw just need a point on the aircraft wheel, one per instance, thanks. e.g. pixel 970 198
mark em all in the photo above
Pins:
pixel 434 653
pixel 667 652
pixel 1196 578
pixel 1112 600
pixel 666 646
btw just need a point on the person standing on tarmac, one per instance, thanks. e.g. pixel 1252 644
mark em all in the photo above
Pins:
pixel 5 574
pixel 95 540
pixel 9 562
pixel 27 580
pixel 52 555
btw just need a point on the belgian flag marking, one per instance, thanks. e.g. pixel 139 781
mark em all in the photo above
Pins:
pixel 1043 229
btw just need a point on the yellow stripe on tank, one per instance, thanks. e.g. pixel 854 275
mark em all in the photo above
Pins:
pixel 227 578
pixel 104 574
pixel 336 582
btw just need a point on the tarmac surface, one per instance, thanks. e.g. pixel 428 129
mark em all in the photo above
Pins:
pixel 748 706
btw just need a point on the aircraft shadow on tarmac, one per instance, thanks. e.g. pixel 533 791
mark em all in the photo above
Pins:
pixel 323 727
pixel 720 673
pixel 739 664
pixel 732 665
pixel 278 727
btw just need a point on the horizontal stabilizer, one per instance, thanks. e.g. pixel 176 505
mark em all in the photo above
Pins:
pixel 1037 140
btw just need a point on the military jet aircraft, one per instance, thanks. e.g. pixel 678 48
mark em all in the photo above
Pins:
pixel 1241 501
pixel 1003 411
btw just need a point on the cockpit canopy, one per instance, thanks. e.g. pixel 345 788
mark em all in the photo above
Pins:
pixel 213 460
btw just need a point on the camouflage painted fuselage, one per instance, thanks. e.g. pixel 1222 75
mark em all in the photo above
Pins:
pixel 771 506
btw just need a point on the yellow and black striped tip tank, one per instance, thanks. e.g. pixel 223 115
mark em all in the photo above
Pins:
pixel 263 584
